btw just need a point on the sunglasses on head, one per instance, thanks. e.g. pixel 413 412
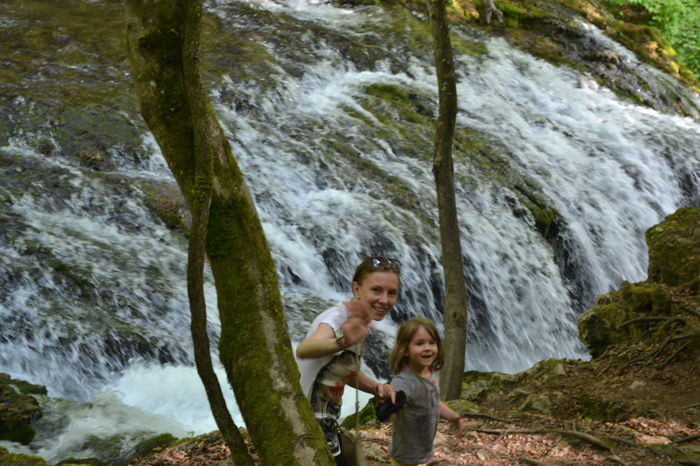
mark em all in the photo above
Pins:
pixel 385 263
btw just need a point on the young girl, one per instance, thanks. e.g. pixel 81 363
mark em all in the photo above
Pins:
pixel 416 358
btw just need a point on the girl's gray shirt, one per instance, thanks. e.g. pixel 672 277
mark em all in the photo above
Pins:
pixel 414 426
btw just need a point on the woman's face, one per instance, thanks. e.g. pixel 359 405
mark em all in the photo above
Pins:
pixel 378 291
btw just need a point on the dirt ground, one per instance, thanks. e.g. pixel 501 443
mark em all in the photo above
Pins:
pixel 640 409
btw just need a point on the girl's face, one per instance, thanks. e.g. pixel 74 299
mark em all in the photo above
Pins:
pixel 422 351
pixel 378 291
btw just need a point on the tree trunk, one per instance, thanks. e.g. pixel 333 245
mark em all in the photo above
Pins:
pixel 455 313
pixel 490 9
pixel 163 39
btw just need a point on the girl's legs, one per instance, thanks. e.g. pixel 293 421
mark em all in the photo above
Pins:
pixel 396 463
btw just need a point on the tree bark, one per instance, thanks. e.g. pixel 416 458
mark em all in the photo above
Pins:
pixel 455 311
pixel 163 41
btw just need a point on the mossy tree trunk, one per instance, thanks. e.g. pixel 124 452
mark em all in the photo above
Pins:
pixel 455 313
pixel 163 40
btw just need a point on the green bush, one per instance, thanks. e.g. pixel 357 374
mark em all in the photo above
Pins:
pixel 679 22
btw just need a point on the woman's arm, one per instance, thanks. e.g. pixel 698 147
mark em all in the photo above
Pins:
pixel 380 390
pixel 320 343
pixel 447 413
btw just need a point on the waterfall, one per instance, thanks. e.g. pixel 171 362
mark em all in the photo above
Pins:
pixel 324 119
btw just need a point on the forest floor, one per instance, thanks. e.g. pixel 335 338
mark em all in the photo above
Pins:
pixel 644 410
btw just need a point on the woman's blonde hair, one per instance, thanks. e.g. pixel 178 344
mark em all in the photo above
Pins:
pixel 372 264
pixel 406 332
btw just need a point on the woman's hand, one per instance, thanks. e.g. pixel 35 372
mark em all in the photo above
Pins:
pixel 356 327
pixel 384 391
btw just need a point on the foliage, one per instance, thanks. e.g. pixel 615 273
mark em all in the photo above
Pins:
pixel 679 22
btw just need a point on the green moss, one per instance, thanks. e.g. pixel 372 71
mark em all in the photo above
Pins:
pixel 249 60
pixel 367 415
pixel 396 105
pixel 387 92
pixel 600 326
pixel 23 434
pixel 157 442
pixel 20 459
pixel 674 264
pixel 80 462
pixel 600 409
pixel 394 188
pixel 674 249
pixel 25 387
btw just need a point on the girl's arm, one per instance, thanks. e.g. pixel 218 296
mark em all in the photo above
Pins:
pixel 447 413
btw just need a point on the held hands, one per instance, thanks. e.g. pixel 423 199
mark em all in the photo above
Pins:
pixel 384 392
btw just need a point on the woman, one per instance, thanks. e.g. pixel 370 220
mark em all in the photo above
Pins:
pixel 327 357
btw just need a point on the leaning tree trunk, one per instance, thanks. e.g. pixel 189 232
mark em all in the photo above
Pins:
pixel 163 39
pixel 455 315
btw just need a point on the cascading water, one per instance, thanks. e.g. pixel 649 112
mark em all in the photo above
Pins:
pixel 330 132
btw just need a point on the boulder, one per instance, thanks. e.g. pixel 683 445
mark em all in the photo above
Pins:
pixel 674 249
pixel 670 291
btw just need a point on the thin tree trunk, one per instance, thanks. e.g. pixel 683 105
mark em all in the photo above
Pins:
pixel 163 38
pixel 455 313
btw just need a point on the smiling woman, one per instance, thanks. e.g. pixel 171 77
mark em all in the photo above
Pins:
pixel 328 356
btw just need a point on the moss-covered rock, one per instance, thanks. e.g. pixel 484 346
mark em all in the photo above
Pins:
pixel 605 323
pixel 674 249
pixel 155 443
pixel 644 311
pixel 18 409
pixel 19 459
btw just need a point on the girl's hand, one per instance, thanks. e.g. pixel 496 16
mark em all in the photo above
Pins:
pixel 459 424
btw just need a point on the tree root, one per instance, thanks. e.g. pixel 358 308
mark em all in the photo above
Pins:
pixel 667 322
pixel 486 416
pixel 621 440
pixel 675 353
pixel 689 438
pixel 637 320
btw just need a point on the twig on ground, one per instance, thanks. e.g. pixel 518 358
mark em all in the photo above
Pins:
pixel 621 440
pixel 526 460
pixel 572 433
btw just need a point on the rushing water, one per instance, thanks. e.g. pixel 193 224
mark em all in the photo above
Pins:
pixel 93 295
